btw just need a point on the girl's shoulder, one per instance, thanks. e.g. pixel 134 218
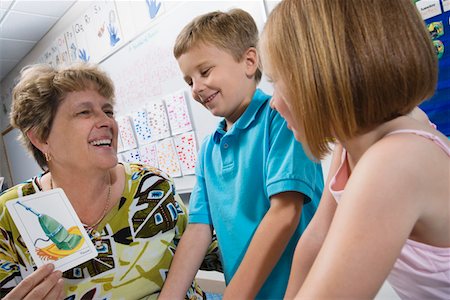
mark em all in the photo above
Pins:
pixel 405 164
pixel 407 138
pixel 405 151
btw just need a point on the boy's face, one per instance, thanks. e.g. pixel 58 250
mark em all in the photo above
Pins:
pixel 220 83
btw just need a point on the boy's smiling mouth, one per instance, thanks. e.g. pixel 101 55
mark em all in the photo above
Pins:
pixel 209 98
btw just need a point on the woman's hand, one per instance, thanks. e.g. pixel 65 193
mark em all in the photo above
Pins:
pixel 44 283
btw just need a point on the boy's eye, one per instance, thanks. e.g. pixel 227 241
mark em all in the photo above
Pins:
pixel 205 72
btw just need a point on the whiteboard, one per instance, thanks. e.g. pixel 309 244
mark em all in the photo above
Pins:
pixel 144 70
pixel 21 164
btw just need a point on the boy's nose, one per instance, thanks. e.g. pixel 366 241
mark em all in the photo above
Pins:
pixel 197 86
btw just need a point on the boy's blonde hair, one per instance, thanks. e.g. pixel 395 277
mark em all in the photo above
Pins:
pixel 349 65
pixel 234 31
pixel 40 91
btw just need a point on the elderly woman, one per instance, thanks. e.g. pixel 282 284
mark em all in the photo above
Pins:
pixel 67 122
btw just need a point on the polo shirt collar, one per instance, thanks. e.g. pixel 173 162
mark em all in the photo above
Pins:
pixel 259 98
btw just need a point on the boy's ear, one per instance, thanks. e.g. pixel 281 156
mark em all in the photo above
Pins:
pixel 251 61
pixel 41 145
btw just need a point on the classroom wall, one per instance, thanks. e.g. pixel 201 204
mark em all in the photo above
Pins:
pixel 135 44
pixel 142 60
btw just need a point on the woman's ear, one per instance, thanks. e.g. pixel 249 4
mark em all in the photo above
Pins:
pixel 251 61
pixel 41 145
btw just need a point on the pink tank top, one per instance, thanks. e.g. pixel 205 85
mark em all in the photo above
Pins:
pixel 421 271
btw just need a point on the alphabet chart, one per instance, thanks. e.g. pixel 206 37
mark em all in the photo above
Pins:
pixel 157 120
pixel 187 152
pixel 178 113
pixel 141 127
pixel 126 133
pixel 167 157
pixel 149 155
pixel 160 135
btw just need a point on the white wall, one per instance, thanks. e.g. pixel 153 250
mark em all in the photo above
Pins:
pixel 161 38
pixel 71 16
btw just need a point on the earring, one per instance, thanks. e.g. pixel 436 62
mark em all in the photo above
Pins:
pixel 48 156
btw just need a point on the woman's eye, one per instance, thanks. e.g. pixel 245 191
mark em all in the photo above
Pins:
pixel 84 112
pixel 109 113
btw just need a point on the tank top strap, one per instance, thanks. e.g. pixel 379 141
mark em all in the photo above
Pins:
pixel 437 140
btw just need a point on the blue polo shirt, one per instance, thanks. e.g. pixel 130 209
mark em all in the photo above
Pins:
pixel 237 173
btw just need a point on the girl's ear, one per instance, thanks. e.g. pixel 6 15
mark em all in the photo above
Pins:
pixel 41 145
pixel 251 61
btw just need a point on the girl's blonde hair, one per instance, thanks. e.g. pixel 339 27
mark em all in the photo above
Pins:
pixel 349 65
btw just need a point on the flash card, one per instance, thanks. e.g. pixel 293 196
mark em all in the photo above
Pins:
pixel 51 229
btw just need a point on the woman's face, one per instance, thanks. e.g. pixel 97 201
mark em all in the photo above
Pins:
pixel 84 133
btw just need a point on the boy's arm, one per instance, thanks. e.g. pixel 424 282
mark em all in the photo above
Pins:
pixel 195 240
pixel 267 245
pixel 187 260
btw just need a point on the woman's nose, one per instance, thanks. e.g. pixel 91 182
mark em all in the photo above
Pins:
pixel 104 120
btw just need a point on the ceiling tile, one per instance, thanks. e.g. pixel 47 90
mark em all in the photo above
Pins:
pixel 27 27
pixel 6 66
pixel 5 4
pixel 22 24
pixel 46 8
pixel 14 49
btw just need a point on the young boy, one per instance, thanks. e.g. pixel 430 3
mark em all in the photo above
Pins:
pixel 255 185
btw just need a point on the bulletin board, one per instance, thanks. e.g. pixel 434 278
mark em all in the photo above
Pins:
pixel 436 15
